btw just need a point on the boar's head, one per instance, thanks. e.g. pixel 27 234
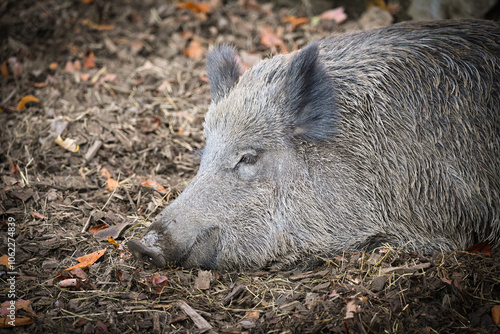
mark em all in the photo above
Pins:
pixel 255 200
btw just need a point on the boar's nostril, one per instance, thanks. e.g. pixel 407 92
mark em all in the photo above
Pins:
pixel 142 252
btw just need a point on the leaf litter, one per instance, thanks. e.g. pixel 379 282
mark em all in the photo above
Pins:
pixel 126 84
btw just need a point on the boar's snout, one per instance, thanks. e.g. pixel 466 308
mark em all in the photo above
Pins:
pixel 141 251
pixel 176 246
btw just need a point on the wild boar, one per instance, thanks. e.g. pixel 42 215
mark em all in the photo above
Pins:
pixel 386 136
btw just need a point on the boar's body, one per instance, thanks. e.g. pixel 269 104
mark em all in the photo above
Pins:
pixel 390 135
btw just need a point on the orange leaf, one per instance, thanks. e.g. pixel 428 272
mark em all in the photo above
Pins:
pixel 481 247
pixel 4 70
pixel 40 84
pixel 495 314
pixel 26 99
pixel 87 1
pixel 195 51
pixel 89 60
pixel 96 26
pixel 154 185
pixel 94 229
pixel 4 260
pixel 196 7
pixel 18 321
pixel 113 242
pixel 112 184
pixel 53 66
pixel 295 21
pixel 87 260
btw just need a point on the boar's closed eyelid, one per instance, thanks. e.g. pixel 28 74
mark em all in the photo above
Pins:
pixel 248 158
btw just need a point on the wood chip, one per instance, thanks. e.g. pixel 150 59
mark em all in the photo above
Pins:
pixel 198 320
pixel 92 151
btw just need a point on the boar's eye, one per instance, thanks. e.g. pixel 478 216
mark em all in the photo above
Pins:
pixel 247 159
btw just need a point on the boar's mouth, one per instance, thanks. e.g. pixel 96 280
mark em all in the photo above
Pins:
pixel 204 252
pixel 142 252
pixel 201 254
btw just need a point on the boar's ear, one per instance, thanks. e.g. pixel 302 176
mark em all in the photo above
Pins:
pixel 310 97
pixel 223 69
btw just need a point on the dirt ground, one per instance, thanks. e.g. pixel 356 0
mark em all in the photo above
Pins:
pixel 125 83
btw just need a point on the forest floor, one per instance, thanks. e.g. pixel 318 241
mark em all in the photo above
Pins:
pixel 124 85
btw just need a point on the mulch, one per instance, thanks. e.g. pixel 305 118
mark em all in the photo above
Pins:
pixel 125 83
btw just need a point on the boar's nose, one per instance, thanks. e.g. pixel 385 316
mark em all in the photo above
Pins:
pixel 141 252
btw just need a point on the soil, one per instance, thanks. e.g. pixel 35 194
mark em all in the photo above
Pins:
pixel 126 82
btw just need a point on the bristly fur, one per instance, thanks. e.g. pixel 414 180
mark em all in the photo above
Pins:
pixel 223 69
pixel 311 96
pixel 390 135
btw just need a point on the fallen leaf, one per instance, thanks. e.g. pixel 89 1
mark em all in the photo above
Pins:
pixel 87 260
pixel 111 184
pixel 353 307
pixel 96 26
pixel 87 1
pixel 85 77
pixel 480 247
pixel 53 66
pixel 89 60
pixel 252 5
pixel 25 100
pixel 40 84
pixel 14 168
pixel 4 260
pixel 105 173
pixel 4 70
pixel 114 231
pixel 78 272
pixel 158 282
pixel 495 314
pixel 18 321
pixel 68 144
pixel 197 7
pixel 295 21
pixel 271 39
pixel 20 304
pixel 150 124
pixel 202 282
pixel 109 77
pixel 195 51
pixel 154 185
pixel 94 229
pixel 77 66
pixel 113 242
pixel 338 15
pixel 69 67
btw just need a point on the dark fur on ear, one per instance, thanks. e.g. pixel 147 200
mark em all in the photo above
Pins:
pixel 223 69
pixel 310 97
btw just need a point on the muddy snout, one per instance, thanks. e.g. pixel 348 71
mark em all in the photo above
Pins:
pixel 142 252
